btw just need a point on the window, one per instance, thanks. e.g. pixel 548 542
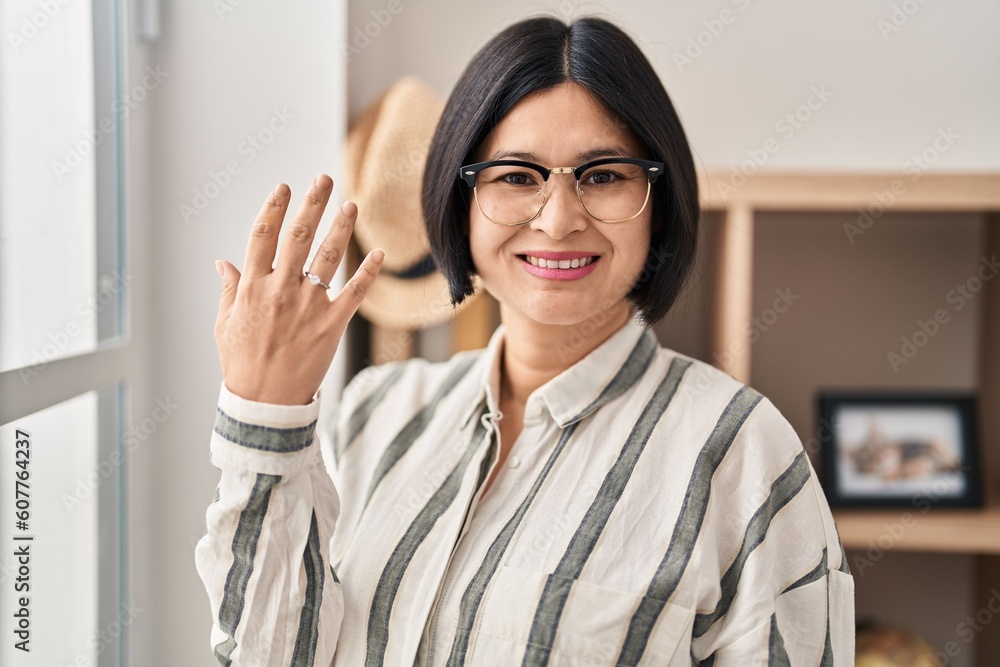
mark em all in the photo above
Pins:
pixel 64 345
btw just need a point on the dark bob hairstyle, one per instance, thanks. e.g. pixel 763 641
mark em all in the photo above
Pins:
pixel 535 55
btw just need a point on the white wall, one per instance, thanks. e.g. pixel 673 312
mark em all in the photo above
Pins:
pixel 227 74
pixel 889 93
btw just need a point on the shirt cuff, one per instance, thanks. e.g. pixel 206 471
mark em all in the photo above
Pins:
pixel 263 437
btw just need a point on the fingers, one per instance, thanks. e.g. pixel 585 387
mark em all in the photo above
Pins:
pixel 230 277
pixel 264 233
pixel 331 251
pixel 357 287
pixel 300 231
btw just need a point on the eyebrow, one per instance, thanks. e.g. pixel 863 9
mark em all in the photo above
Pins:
pixel 581 158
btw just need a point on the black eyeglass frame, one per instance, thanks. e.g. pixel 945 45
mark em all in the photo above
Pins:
pixel 469 172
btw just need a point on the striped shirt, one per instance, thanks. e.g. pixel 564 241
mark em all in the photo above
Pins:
pixel 652 511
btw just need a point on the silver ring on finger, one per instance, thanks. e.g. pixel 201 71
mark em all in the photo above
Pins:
pixel 315 280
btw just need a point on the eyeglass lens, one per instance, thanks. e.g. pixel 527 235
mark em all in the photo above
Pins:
pixel 610 192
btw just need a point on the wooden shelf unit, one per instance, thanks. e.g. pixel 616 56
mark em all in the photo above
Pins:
pixel 972 531
pixel 947 531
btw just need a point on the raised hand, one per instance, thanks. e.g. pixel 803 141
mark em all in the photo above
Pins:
pixel 276 331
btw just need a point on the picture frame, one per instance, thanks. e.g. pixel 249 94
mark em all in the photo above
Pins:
pixel 899 449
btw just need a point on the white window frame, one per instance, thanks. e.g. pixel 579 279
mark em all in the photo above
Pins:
pixel 110 370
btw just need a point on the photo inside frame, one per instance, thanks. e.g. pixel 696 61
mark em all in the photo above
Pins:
pixel 899 451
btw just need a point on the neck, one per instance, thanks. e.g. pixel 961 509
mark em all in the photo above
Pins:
pixel 534 353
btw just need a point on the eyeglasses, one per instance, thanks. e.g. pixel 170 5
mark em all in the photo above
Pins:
pixel 512 192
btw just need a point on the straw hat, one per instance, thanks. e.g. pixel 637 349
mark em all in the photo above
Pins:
pixel 386 151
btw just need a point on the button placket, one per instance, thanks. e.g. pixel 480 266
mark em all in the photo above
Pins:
pixel 489 421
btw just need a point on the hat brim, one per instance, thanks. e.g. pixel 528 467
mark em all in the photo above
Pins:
pixel 408 304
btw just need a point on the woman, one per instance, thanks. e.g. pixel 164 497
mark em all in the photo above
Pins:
pixel 572 494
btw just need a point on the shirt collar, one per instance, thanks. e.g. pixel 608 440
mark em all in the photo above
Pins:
pixel 487 373
pixel 605 373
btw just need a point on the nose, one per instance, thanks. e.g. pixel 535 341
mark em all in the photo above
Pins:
pixel 563 212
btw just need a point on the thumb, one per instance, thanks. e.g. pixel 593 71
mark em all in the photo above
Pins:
pixel 230 276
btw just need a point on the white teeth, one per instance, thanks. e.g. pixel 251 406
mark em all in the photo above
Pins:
pixel 559 264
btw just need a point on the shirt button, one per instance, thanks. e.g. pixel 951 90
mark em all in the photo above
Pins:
pixel 513 461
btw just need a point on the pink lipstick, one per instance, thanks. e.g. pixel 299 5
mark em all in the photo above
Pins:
pixel 564 265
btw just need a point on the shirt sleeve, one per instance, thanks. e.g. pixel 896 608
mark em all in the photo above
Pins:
pixel 264 560
pixel 809 620
pixel 790 579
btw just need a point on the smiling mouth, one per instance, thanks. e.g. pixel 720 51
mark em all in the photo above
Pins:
pixel 560 263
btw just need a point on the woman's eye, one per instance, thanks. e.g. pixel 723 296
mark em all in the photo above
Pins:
pixel 601 178
pixel 518 179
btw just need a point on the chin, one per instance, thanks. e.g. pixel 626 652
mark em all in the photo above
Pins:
pixel 561 311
